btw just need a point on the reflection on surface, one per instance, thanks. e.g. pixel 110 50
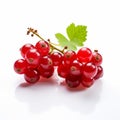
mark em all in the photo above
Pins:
pixel 47 94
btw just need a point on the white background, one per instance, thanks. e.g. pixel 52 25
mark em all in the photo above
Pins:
pixel 47 100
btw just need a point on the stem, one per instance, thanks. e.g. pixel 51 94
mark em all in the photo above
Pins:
pixel 56 48
pixel 55 44
pixel 34 32
pixel 39 36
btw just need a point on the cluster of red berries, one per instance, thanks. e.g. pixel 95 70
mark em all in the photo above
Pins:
pixel 81 68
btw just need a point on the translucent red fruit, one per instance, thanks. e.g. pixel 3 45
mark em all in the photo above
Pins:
pixel 46 62
pixel 46 72
pixel 43 47
pixel 63 70
pixel 87 82
pixel 75 68
pixel 31 75
pixel 56 58
pixel 46 68
pixel 20 66
pixel 72 81
pixel 96 58
pixel 99 72
pixel 89 70
pixel 33 57
pixel 25 48
pixel 84 54
pixel 69 57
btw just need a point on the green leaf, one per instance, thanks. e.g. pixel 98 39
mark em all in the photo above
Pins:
pixel 76 36
pixel 63 41
pixel 71 31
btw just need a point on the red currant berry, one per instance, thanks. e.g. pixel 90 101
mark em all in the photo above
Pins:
pixel 84 54
pixel 96 58
pixel 43 47
pixel 72 81
pixel 69 57
pixel 56 58
pixel 25 48
pixel 99 73
pixel 46 62
pixel 46 68
pixel 87 82
pixel 46 72
pixel 73 84
pixel 89 70
pixel 31 75
pixel 63 70
pixel 75 68
pixel 33 57
pixel 20 66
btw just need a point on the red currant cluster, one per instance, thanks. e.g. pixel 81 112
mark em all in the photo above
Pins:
pixel 83 67
pixel 41 59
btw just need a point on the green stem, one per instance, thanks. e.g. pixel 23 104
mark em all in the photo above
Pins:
pixel 52 46
pixel 56 48
pixel 38 36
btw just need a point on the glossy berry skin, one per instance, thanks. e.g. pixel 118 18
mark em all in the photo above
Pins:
pixel 56 58
pixel 20 66
pixel 84 54
pixel 69 57
pixel 96 58
pixel 72 81
pixel 46 72
pixel 46 68
pixel 46 62
pixel 75 68
pixel 25 48
pixel 99 72
pixel 31 75
pixel 33 57
pixel 89 70
pixel 63 70
pixel 42 47
pixel 72 84
pixel 87 82
pixel 73 77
